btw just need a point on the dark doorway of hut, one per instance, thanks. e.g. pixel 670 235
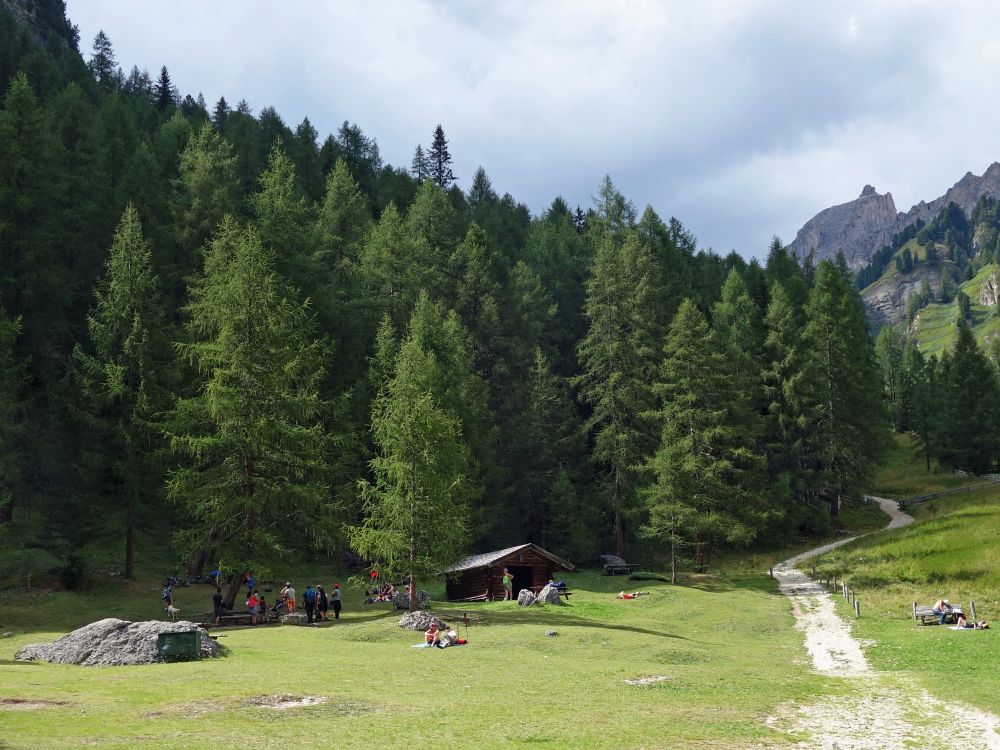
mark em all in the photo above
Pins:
pixel 523 577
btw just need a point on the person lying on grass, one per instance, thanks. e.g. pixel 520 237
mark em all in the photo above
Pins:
pixel 961 622
pixel 631 595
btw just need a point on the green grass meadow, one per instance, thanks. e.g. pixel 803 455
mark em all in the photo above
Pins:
pixel 727 648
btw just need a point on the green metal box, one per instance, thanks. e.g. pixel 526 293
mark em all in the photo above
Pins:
pixel 170 646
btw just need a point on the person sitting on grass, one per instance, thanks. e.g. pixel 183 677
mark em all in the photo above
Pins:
pixel 432 636
pixel 631 595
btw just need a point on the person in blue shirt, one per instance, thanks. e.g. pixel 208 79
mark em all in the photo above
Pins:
pixel 309 598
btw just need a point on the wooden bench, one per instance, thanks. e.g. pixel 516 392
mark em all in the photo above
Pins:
pixel 563 591
pixel 618 570
pixel 925 612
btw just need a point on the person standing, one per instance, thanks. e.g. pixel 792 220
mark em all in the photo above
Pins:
pixel 508 585
pixel 322 603
pixel 335 601
pixel 289 599
pixel 168 596
pixel 309 599
pixel 217 605
pixel 253 604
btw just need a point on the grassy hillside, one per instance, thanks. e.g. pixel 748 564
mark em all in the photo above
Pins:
pixel 935 328
pixel 952 551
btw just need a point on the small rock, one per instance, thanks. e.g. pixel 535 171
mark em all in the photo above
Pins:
pixel 551 632
pixel 525 598
pixel 420 620
pixel 294 618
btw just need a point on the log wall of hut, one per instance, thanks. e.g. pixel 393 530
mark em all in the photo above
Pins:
pixel 486 583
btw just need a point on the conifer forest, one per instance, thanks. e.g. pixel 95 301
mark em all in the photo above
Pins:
pixel 233 337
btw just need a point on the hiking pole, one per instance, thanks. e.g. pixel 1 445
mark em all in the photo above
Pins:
pixel 465 620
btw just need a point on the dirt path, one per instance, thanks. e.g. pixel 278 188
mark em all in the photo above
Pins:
pixel 880 712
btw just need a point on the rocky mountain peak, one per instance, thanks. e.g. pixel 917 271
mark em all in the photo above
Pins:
pixel 864 225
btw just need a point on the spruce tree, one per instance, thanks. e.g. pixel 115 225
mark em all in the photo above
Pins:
pixel 889 350
pixel 440 160
pixel 254 450
pixel 618 356
pixel 970 436
pixel 164 92
pixel 220 113
pixel 126 372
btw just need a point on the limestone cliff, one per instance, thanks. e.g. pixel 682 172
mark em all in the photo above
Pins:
pixel 858 228
pixel 885 300
pixel 863 225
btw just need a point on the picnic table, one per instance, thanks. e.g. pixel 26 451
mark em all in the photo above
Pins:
pixel 563 590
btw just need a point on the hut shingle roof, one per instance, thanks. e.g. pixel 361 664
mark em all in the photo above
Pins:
pixel 488 558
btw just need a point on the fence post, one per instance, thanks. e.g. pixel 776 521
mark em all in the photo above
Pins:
pixel 770 572
pixel 857 608
pixel 972 606
pixel 814 571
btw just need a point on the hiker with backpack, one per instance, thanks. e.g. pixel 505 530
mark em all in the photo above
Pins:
pixel 309 598
pixel 168 596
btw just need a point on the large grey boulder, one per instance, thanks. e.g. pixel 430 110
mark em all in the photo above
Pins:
pixel 525 598
pixel 401 601
pixel 114 642
pixel 294 618
pixel 549 595
pixel 420 620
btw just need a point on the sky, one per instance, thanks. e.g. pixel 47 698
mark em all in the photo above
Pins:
pixel 741 118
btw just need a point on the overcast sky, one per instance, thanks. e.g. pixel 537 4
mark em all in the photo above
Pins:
pixel 743 119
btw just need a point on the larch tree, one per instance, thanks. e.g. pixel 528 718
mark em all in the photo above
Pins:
pixel 252 439
pixel 420 166
pixel 705 471
pixel 126 373
pixel 103 65
pixel 849 434
pixel 416 507
pixel 204 192
pixel 618 357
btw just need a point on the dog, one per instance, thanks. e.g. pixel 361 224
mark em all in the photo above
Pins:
pixel 172 611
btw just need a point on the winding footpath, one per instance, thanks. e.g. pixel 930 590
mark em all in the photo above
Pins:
pixel 877 711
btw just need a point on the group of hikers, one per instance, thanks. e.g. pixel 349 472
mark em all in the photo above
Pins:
pixel 315 601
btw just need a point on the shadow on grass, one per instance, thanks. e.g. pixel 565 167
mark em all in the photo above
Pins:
pixel 552 618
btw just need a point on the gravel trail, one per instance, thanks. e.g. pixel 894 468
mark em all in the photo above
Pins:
pixel 880 712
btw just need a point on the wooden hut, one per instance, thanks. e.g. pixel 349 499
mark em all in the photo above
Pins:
pixel 479 577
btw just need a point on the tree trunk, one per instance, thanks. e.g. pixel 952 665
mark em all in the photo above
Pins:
pixel 196 563
pixel 619 534
pixel 673 560
pixel 412 603
pixel 234 589
pixel 130 541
